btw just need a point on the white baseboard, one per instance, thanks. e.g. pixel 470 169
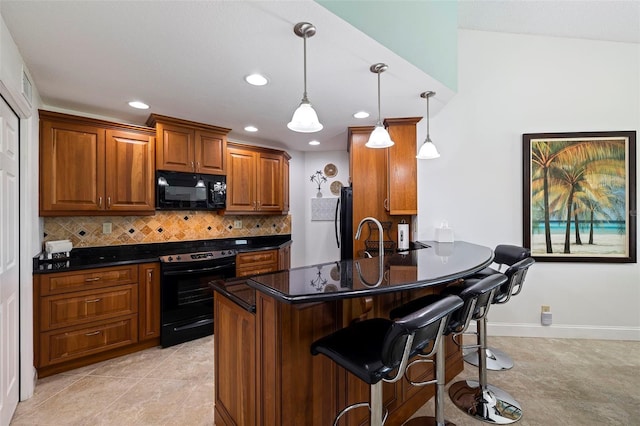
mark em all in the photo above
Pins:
pixel 561 331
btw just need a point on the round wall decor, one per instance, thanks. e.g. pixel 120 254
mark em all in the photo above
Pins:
pixel 330 170
pixel 335 187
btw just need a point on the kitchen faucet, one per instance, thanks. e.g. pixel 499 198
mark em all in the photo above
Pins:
pixel 377 222
pixel 380 252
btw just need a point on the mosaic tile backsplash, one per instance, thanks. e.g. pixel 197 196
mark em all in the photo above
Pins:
pixel 86 231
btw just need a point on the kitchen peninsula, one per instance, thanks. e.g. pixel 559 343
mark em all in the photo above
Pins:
pixel 264 371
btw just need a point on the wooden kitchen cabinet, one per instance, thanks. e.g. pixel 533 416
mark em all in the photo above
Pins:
pixel 95 167
pixel 256 262
pixel 187 146
pixel 82 317
pixel 256 180
pixel 384 181
pixel 402 167
pixel 284 258
pixel 149 301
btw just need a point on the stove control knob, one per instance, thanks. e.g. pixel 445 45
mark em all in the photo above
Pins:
pixel 178 258
pixel 170 259
pixel 222 253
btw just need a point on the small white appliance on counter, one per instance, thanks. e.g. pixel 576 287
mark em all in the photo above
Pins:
pixel 403 236
pixel 58 249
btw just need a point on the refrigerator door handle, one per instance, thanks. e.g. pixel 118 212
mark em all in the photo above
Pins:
pixel 335 222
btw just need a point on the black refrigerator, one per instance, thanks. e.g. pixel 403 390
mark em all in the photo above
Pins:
pixel 344 223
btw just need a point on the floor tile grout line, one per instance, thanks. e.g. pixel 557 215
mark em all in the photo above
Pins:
pixel 35 407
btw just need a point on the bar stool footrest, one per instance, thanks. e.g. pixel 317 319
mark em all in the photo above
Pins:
pixel 497 360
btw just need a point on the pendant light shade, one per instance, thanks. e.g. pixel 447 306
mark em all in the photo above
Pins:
pixel 379 137
pixel 305 119
pixel 428 150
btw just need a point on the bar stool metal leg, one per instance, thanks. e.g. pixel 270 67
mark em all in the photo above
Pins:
pixel 480 400
pixel 439 419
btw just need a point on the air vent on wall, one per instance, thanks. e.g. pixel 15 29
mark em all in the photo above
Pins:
pixel 26 87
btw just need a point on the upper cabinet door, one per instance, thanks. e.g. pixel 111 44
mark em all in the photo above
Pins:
pixel 241 180
pixel 269 183
pixel 188 146
pixel 130 175
pixel 176 148
pixel 402 167
pixel 257 180
pixel 95 167
pixel 71 167
pixel 210 152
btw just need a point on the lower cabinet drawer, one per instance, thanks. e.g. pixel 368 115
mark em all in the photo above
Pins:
pixel 75 342
pixel 88 306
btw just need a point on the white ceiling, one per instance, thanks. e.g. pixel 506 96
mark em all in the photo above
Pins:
pixel 187 59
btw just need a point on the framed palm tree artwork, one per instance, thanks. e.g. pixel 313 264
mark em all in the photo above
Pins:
pixel 579 196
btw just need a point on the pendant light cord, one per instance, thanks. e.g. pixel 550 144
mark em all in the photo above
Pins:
pixel 379 115
pixel 304 94
pixel 428 119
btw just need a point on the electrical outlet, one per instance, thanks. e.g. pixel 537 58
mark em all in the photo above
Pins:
pixel 546 318
pixel 237 224
pixel 106 228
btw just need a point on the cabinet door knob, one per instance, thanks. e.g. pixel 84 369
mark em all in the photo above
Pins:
pixel 193 167
pixel 197 166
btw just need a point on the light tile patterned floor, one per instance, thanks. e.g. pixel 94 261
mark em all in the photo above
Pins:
pixel 557 381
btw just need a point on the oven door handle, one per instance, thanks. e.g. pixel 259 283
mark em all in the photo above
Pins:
pixel 198 270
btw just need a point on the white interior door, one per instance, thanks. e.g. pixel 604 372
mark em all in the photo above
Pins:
pixel 9 264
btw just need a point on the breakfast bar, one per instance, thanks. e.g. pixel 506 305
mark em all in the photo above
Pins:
pixel 264 326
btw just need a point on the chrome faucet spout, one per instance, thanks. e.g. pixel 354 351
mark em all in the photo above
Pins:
pixel 380 252
pixel 380 232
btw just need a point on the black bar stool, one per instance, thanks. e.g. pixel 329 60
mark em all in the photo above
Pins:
pixel 378 350
pixel 475 297
pixel 506 257
pixel 479 399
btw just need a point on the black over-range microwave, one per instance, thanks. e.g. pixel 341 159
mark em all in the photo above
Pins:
pixel 187 191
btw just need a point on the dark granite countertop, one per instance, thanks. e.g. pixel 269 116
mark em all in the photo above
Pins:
pixel 437 264
pixel 98 257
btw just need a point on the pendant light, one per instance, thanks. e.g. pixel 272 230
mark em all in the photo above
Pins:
pixel 379 137
pixel 428 150
pixel 305 119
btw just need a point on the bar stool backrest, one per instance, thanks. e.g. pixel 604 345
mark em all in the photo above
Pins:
pixel 507 255
pixel 516 275
pixel 476 298
pixel 413 332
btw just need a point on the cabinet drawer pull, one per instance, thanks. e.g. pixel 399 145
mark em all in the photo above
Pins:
pixel 108 202
pixel 386 204
pixel 197 166
pixel 100 202
pixel 193 167
pixel 88 280
pixel 93 300
pixel 93 333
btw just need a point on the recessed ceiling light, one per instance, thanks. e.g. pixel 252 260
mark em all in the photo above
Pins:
pixel 256 79
pixel 138 105
pixel 251 129
pixel 361 114
pixel 314 143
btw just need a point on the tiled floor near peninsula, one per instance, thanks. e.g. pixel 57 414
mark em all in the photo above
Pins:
pixel 557 381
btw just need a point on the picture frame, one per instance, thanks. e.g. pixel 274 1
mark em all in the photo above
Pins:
pixel 579 196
